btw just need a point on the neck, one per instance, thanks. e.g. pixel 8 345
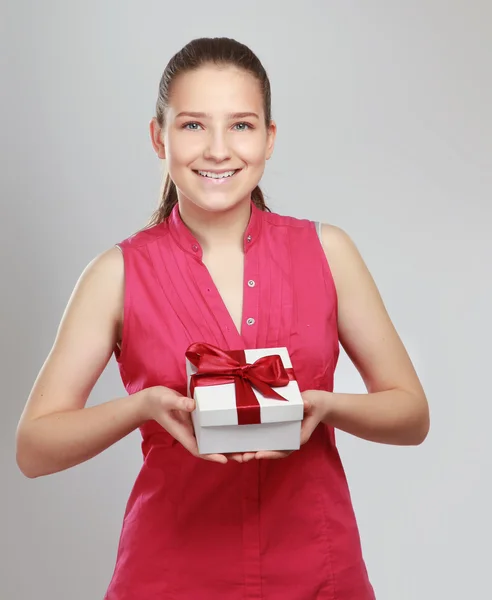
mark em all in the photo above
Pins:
pixel 216 229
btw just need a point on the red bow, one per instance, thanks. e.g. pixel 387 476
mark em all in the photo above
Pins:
pixel 216 367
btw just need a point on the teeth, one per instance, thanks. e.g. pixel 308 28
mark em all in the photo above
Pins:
pixel 216 175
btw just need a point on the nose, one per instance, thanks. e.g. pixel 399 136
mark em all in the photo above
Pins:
pixel 217 148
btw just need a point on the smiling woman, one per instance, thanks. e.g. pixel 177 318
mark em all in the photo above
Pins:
pixel 215 266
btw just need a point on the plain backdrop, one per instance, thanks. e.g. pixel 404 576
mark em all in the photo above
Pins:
pixel 385 128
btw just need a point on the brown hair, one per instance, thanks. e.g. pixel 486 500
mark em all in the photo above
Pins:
pixel 197 53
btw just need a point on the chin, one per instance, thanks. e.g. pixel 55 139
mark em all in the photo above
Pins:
pixel 215 202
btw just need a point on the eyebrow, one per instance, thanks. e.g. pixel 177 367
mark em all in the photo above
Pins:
pixel 201 115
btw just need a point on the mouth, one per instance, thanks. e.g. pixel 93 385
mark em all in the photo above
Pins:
pixel 217 177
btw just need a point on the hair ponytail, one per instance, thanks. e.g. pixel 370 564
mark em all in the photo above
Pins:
pixel 169 197
pixel 258 199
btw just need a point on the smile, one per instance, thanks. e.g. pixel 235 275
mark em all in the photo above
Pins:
pixel 212 175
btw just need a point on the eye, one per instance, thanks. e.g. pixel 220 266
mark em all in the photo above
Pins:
pixel 193 126
pixel 243 126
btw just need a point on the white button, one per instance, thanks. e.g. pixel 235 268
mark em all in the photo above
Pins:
pixel 251 283
pixel 250 321
pixel 249 238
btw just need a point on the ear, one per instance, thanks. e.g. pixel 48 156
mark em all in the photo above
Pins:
pixel 157 138
pixel 271 135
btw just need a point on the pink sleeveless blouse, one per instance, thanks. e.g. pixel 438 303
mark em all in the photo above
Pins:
pixel 267 529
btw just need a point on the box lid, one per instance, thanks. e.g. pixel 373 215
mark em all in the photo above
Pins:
pixel 216 405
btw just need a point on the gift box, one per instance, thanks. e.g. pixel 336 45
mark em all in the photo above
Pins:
pixel 246 400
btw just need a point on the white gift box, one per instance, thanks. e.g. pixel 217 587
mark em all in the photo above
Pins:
pixel 215 418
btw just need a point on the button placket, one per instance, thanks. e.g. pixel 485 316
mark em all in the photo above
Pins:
pixel 251 291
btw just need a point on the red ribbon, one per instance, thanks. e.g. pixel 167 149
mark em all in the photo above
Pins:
pixel 216 367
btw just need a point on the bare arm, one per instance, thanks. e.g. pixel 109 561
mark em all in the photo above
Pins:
pixel 395 410
pixel 53 432
pixel 56 431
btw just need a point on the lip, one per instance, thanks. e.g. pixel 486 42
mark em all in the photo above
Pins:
pixel 216 171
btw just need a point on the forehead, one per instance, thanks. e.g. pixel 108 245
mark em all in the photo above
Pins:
pixel 215 90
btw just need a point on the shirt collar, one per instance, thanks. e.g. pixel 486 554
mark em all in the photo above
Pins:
pixel 187 241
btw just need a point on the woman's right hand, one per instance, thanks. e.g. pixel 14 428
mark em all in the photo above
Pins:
pixel 173 412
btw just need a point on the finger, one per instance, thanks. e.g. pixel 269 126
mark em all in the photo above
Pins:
pixel 247 456
pixel 184 403
pixel 308 404
pixel 179 425
pixel 181 428
pixel 187 438
pixel 172 400
pixel 308 426
pixel 237 456
pixel 186 422
pixel 272 454
pixel 220 458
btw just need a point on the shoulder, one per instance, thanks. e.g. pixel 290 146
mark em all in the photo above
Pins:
pixel 144 237
pixel 347 265
pixel 96 300
pixel 102 280
pixel 339 248
pixel 337 243
pixel 291 231
pixel 274 219
pixel 105 267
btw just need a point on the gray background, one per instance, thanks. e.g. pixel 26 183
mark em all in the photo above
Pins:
pixel 385 129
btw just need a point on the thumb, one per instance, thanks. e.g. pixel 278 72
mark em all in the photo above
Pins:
pixel 308 426
pixel 308 404
pixel 187 404
pixel 180 402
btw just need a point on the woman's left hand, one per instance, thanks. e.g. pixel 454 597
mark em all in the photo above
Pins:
pixel 316 407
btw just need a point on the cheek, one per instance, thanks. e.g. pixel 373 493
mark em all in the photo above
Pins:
pixel 253 151
pixel 181 150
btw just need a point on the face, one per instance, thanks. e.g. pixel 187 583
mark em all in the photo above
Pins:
pixel 215 139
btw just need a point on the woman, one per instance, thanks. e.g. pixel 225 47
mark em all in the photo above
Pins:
pixel 216 266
